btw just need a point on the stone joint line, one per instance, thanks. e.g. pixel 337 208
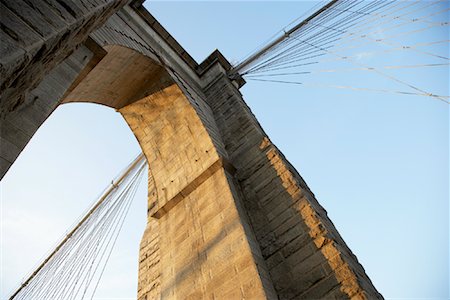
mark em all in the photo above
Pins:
pixel 213 168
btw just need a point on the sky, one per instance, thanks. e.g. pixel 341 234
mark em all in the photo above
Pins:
pixel 378 163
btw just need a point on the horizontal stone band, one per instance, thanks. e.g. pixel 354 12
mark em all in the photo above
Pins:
pixel 220 163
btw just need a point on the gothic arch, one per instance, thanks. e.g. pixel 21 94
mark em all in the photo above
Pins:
pixel 229 217
pixel 120 78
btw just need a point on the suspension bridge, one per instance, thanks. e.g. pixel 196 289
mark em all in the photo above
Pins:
pixel 207 154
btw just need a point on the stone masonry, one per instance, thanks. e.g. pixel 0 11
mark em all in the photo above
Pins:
pixel 305 255
pixel 228 216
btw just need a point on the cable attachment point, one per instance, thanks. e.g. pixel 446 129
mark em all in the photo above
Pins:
pixel 114 185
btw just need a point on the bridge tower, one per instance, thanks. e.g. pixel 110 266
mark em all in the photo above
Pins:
pixel 228 215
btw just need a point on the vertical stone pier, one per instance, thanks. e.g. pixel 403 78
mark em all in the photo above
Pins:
pixel 304 253
pixel 229 217
pixel 198 242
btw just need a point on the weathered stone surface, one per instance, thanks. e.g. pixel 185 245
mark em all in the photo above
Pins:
pixel 43 41
pixel 18 126
pixel 300 244
pixel 206 246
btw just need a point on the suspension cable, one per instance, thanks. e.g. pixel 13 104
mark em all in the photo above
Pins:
pixel 73 266
pixel 343 25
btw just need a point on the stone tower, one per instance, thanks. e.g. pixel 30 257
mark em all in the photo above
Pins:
pixel 228 216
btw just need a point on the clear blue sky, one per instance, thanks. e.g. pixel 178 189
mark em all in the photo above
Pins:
pixel 378 163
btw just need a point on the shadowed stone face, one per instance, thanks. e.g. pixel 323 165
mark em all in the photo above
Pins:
pixel 36 38
pixel 121 77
